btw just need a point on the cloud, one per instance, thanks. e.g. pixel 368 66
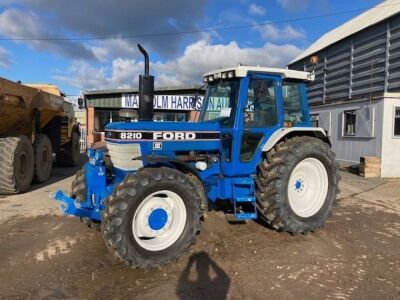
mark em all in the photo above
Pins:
pixel 17 24
pixel 294 5
pixel 93 18
pixel 5 58
pixel 286 33
pixel 198 58
pixel 106 49
pixel 257 10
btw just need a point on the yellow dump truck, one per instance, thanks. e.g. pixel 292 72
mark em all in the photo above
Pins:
pixel 34 124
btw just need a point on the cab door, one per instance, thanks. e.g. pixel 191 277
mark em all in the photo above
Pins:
pixel 257 118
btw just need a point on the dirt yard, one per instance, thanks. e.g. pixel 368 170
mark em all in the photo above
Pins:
pixel 44 255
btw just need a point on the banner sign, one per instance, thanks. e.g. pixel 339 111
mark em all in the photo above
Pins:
pixel 217 103
pixel 167 102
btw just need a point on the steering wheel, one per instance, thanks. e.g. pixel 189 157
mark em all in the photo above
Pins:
pixel 247 117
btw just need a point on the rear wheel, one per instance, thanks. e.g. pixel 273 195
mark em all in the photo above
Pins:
pixel 70 153
pixel 152 217
pixel 43 158
pixel 297 184
pixel 16 164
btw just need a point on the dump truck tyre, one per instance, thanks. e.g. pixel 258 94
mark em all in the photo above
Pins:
pixel 16 164
pixel 152 217
pixel 43 158
pixel 71 154
pixel 75 149
pixel 297 185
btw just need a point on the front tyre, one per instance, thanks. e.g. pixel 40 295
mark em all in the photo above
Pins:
pixel 152 217
pixel 297 184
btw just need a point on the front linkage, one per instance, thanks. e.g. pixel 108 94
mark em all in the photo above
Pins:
pixel 90 203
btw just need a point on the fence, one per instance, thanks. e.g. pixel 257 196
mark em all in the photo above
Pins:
pixel 83 139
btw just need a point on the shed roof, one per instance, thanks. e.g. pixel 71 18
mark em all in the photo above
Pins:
pixel 380 12
pixel 136 90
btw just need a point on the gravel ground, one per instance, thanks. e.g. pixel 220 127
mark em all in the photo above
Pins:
pixel 44 255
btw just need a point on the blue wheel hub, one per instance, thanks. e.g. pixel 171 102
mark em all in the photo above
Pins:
pixel 158 218
pixel 298 185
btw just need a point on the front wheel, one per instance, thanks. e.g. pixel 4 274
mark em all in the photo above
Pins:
pixel 152 217
pixel 297 184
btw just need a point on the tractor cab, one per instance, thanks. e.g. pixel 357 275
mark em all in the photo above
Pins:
pixel 250 104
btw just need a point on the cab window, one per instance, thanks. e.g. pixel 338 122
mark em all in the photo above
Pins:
pixel 260 110
pixel 292 99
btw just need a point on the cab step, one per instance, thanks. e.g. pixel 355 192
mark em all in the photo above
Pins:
pixel 244 201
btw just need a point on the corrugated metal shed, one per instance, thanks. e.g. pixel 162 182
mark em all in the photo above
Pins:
pixel 358 63
pixel 377 14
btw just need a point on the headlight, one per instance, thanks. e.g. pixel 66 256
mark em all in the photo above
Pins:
pixel 211 78
pixel 231 74
pixel 201 165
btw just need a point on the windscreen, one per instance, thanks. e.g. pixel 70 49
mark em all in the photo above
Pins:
pixel 221 101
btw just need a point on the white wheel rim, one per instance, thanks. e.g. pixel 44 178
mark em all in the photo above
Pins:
pixel 159 220
pixel 308 187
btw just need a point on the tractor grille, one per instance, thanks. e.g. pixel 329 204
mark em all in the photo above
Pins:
pixel 122 155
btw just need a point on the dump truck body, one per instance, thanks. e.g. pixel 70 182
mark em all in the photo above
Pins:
pixel 33 125
pixel 20 104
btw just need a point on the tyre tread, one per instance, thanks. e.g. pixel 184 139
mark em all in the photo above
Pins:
pixel 116 208
pixel 272 170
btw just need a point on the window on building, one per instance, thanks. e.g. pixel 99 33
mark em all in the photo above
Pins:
pixel 314 120
pixel 102 118
pixel 397 121
pixel 349 123
pixel 292 102
pixel 171 116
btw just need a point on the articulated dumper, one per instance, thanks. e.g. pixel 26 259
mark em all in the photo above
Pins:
pixel 34 124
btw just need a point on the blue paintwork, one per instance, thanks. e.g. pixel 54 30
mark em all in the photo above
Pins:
pixel 297 185
pixel 69 207
pixel 224 179
pixel 160 126
pixel 158 218
pixel 97 190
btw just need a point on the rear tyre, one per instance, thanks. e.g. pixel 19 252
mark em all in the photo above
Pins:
pixel 152 217
pixel 70 154
pixel 297 184
pixel 16 164
pixel 43 158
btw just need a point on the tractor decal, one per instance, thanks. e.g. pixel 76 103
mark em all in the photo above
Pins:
pixel 162 135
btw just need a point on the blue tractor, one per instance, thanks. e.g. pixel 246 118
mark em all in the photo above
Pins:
pixel 253 146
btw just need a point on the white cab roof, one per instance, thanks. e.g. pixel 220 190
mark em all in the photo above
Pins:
pixel 241 71
pixel 380 12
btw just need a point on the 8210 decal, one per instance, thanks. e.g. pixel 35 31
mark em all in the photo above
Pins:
pixel 131 135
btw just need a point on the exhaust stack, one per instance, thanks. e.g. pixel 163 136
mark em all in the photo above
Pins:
pixel 146 90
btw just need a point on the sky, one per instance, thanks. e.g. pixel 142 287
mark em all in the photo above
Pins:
pixel 85 45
